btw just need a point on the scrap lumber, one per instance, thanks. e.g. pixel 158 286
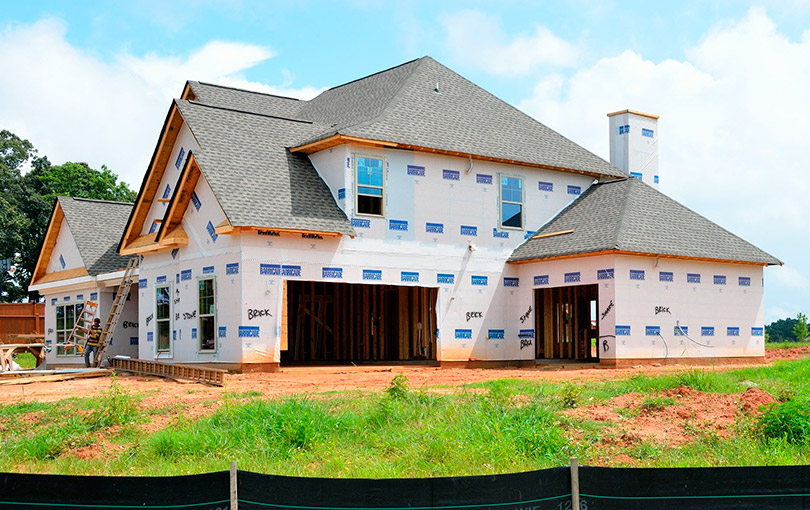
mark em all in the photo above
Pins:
pixel 72 374
pixel 212 376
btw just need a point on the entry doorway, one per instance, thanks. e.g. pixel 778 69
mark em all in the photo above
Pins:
pixel 567 322
pixel 344 322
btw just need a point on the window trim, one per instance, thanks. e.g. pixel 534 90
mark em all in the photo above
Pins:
pixel 357 212
pixel 157 351
pixel 522 202
pixel 66 331
pixel 200 350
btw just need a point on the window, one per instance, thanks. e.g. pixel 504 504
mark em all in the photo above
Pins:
pixel 65 319
pixel 511 202
pixel 207 310
pixel 370 185
pixel 163 318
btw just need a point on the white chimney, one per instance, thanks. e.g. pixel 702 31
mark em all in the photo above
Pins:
pixel 634 144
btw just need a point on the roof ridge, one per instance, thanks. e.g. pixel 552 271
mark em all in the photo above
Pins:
pixel 99 200
pixel 373 74
pixel 247 90
pixel 394 96
pixel 216 107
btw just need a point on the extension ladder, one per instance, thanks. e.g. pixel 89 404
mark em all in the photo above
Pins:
pixel 115 311
pixel 81 328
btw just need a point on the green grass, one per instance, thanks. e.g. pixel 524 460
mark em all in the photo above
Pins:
pixel 26 360
pixel 784 345
pixel 499 426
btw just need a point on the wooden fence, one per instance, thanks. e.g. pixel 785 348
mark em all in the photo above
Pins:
pixel 21 318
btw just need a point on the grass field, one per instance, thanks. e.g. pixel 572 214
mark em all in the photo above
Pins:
pixel 493 427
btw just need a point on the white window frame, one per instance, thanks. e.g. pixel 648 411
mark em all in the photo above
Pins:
pixel 200 315
pixel 65 331
pixel 522 202
pixel 170 351
pixel 357 186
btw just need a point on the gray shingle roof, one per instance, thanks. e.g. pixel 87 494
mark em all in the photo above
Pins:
pixel 256 180
pixel 629 215
pixel 245 100
pixel 401 105
pixel 96 226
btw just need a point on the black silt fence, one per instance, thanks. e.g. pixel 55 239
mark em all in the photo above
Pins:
pixel 549 489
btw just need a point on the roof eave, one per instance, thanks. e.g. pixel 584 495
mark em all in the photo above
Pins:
pixel 334 139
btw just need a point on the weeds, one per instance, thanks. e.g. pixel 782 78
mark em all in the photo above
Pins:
pixel 655 403
pixel 789 421
pixel 398 388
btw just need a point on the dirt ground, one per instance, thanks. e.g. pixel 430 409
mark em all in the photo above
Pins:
pixel 196 398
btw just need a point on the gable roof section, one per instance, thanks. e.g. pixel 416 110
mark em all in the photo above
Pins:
pixel 401 106
pixel 96 226
pixel 256 180
pixel 629 216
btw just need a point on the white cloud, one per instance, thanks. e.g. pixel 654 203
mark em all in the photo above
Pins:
pixel 478 39
pixel 74 106
pixel 735 118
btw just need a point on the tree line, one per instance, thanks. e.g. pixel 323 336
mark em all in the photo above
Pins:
pixel 788 330
pixel 26 202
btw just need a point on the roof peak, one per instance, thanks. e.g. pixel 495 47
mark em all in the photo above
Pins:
pixel 98 200
pixel 246 90
pixel 378 72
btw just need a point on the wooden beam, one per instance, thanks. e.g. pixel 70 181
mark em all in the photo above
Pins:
pixel 243 228
pixel 178 205
pixel 151 181
pixel 62 275
pixel 177 237
pixel 224 227
pixel 637 254
pixel 49 242
pixel 141 244
pixel 552 234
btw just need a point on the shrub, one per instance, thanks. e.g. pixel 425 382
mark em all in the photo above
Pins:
pixel 789 421
pixel 398 389
pixel 570 395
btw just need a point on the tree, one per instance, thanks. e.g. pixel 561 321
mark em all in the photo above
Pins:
pixel 79 180
pixel 781 330
pixel 26 202
pixel 800 328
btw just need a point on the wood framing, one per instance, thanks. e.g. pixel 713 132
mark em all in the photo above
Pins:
pixel 151 181
pixel 635 253
pixel 67 274
pixel 338 139
pixel 171 228
pixel 48 244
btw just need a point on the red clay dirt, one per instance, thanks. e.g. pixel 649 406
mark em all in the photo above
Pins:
pixel 196 399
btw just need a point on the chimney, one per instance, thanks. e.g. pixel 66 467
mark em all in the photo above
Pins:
pixel 634 144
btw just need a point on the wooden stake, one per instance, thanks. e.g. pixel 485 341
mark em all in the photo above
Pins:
pixel 234 495
pixel 574 484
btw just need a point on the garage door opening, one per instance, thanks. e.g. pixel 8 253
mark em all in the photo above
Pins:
pixel 343 322
pixel 566 323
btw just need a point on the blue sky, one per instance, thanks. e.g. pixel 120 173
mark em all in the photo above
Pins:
pixel 92 81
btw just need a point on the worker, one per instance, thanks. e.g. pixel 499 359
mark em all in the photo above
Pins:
pixel 93 342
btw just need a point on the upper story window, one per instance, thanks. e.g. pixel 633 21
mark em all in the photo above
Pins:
pixel 370 185
pixel 511 202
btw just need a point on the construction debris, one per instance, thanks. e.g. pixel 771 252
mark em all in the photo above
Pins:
pixel 212 376
pixel 33 376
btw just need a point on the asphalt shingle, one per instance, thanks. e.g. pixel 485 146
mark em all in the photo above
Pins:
pixel 96 226
pixel 256 180
pixel 629 215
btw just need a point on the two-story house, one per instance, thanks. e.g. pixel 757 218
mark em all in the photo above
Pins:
pixel 412 216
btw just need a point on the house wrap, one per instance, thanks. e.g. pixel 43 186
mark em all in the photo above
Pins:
pixel 409 216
